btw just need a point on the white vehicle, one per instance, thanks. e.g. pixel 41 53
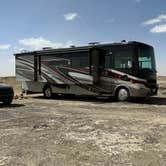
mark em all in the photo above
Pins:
pixel 122 70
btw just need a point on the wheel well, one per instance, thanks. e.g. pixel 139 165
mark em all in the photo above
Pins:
pixel 120 87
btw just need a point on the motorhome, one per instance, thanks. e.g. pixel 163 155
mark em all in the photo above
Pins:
pixel 122 70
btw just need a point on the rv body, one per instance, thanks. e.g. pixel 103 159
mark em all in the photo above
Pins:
pixel 122 70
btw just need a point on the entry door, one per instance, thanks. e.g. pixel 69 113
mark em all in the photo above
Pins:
pixel 37 67
pixel 97 64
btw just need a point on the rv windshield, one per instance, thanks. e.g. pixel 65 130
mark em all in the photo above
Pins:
pixel 146 59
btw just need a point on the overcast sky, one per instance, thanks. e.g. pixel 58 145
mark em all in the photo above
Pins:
pixel 34 24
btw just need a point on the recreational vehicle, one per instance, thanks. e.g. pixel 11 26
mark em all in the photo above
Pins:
pixel 122 70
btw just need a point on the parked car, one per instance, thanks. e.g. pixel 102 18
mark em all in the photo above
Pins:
pixel 6 94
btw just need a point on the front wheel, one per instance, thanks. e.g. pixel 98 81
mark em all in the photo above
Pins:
pixel 47 92
pixel 122 94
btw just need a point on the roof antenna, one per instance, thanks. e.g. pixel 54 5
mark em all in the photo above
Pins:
pixel 93 43
pixel 123 41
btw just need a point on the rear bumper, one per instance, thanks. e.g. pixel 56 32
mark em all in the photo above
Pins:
pixel 6 94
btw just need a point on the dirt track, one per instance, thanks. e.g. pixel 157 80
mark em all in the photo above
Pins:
pixel 83 131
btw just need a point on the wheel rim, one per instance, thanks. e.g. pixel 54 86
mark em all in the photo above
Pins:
pixel 123 95
pixel 48 92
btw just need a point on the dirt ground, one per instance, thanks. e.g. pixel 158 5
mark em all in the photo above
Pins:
pixel 83 131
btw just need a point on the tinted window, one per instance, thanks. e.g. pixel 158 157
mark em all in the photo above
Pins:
pixel 107 61
pixel 55 60
pixel 122 60
pixel 146 58
pixel 79 60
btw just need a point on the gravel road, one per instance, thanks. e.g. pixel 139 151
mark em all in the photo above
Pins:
pixel 83 132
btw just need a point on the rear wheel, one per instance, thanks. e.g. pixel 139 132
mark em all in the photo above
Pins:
pixel 47 92
pixel 122 94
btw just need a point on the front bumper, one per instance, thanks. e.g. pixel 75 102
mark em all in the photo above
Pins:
pixel 140 90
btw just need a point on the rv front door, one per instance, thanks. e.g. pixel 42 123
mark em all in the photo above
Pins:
pixel 37 68
pixel 97 64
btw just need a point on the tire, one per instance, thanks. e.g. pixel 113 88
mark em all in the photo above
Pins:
pixel 7 102
pixel 47 92
pixel 122 94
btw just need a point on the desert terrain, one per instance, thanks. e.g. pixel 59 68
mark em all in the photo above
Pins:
pixel 81 131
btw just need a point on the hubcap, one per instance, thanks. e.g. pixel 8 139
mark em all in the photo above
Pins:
pixel 123 95
pixel 48 92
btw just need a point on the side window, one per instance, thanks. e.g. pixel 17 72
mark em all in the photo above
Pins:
pixel 122 59
pixel 75 60
pixel 55 60
pixel 25 67
pixel 108 60
pixel 80 60
pixel 60 62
